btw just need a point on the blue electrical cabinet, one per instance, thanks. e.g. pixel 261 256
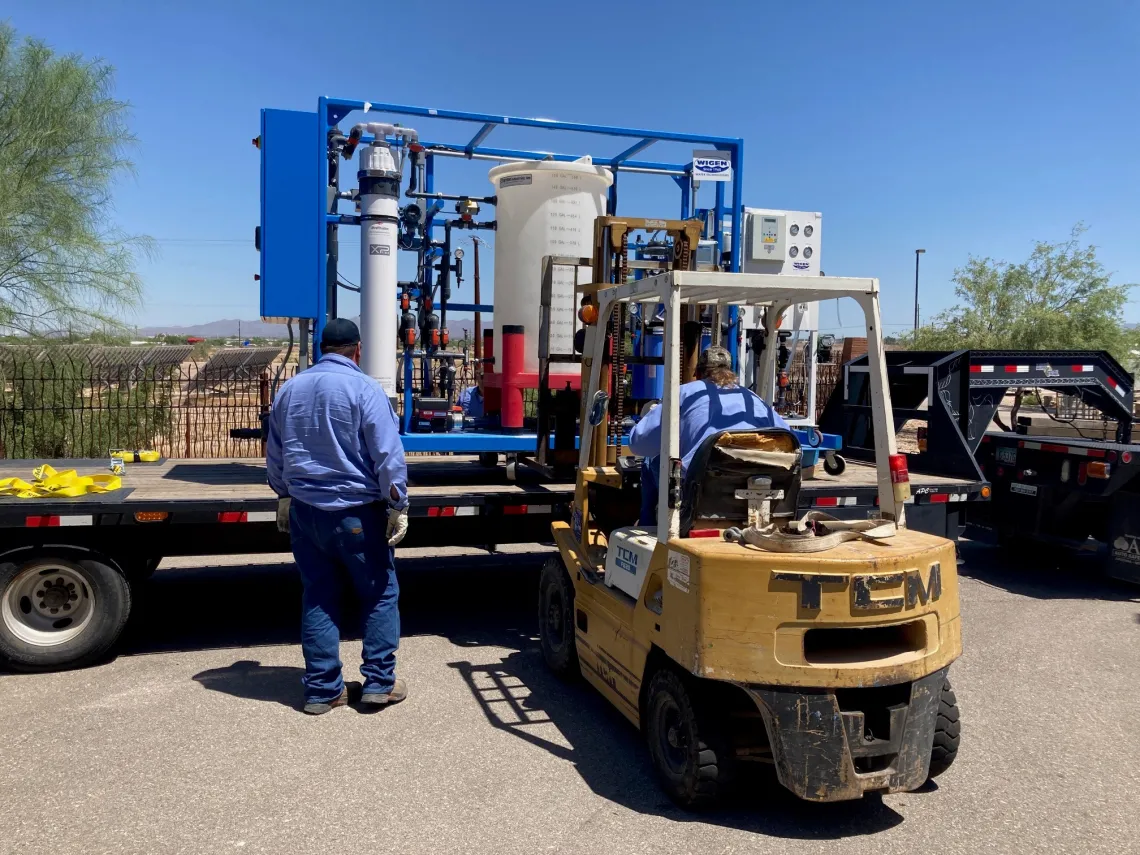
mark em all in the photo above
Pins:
pixel 288 238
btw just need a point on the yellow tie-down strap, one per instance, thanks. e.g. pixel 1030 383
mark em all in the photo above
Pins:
pixel 67 484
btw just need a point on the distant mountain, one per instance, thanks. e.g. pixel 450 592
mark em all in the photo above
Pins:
pixel 222 329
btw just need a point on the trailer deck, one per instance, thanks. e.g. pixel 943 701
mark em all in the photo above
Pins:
pixel 174 507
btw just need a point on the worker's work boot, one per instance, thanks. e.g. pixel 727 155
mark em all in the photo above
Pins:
pixel 348 695
pixel 382 699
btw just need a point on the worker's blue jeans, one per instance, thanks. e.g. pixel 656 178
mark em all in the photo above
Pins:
pixel 332 547
pixel 649 483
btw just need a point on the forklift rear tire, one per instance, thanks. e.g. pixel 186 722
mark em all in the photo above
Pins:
pixel 834 464
pixel 947 733
pixel 60 611
pixel 693 759
pixel 556 619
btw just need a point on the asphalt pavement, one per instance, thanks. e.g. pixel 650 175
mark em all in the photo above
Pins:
pixel 191 739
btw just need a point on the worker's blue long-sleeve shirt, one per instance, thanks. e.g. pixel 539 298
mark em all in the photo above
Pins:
pixel 334 441
pixel 471 400
pixel 705 409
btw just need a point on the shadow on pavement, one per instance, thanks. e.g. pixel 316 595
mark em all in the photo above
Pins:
pixel 520 696
pixel 474 602
pixel 1042 572
pixel 249 679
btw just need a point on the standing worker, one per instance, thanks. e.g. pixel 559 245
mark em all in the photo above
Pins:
pixel 711 403
pixel 335 460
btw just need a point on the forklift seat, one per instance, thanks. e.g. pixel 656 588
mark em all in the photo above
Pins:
pixel 723 464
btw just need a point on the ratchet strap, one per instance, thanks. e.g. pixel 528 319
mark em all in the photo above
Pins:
pixel 47 483
pixel 814 532
pixel 136 456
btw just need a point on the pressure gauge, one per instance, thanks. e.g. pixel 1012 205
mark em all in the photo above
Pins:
pixel 809 231
pixel 795 230
pixel 458 253
pixel 807 252
pixel 793 251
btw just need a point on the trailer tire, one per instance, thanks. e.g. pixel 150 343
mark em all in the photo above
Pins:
pixel 947 733
pixel 556 620
pixel 693 759
pixel 489 459
pixel 60 611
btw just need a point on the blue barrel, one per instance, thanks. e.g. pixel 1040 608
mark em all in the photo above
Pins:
pixel 649 380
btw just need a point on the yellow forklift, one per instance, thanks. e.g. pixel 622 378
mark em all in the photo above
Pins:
pixel 734 632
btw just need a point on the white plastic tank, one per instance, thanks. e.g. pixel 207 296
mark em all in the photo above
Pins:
pixel 544 208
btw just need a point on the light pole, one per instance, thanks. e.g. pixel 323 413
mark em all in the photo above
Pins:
pixel 917 253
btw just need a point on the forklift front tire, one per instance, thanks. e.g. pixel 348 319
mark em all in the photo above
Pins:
pixel 556 619
pixel 689 751
pixel 947 733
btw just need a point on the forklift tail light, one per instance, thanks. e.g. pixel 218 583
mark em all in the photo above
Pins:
pixel 1098 469
pixel 900 478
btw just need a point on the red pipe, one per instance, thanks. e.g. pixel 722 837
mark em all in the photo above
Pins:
pixel 512 403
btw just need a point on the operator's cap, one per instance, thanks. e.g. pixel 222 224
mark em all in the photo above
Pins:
pixel 713 358
pixel 339 332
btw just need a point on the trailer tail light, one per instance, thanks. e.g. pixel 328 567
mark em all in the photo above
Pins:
pixel 1126 457
pixel 151 516
pixel 1098 469
pixel 900 477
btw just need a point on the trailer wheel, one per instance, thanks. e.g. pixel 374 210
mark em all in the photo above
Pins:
pixel 834 464
pixel 947 733
pixel 490 459
pixel 556 619
pixel 693 759
pixel 57 611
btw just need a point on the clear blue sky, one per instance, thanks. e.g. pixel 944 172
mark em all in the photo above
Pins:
pixel 966 127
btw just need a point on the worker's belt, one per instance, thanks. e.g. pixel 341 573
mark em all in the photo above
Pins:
pixel 68 484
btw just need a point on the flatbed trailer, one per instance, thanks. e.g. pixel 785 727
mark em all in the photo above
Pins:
pixel 1062 490
pixel 102 544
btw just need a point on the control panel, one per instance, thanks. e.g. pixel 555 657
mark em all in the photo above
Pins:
pixel 782 241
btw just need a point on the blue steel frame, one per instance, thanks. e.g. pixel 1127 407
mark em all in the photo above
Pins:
pixel 330 111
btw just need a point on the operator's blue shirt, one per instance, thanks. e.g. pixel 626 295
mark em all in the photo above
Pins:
pixel 471 400
pixel 705 409
pixel 334 441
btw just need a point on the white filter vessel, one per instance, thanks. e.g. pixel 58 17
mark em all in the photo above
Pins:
pixel 544 208
pixel 379 223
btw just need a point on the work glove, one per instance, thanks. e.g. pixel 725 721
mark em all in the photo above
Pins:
pixel 283 514
pixel 397 525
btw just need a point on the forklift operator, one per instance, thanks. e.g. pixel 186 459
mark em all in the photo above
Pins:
pixel 711 403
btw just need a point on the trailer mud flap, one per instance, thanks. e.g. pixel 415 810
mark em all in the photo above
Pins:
pixel 824 754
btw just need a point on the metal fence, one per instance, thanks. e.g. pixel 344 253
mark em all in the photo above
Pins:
pixel 83 402
pixel 67 402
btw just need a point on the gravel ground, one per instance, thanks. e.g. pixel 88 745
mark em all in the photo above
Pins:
pixel 191 740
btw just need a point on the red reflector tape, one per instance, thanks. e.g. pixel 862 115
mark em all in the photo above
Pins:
pixel 939 498
pixel 1048 446
pixel 827 502
pixel 41 521
pixel 704 532
pixel 232 517
pixel 1098 452
pixel 514 509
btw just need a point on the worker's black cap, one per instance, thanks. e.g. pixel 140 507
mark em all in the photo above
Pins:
pixel 339 332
